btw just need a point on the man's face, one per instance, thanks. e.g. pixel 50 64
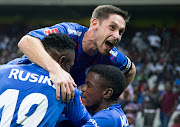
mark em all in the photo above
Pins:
pixel 68 62
pixel 91 92
pixel 109 33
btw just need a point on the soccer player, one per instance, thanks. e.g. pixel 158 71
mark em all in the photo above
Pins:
pixel 95 45
pixel 103 85
pixel 27 95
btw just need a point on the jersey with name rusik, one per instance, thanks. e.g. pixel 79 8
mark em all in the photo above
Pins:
pixel 28 98
pixel 110 117
pixel 82 61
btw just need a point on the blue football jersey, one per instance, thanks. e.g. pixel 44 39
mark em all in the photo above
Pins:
pixel 28 98
pixel 110 117
pixel 82 60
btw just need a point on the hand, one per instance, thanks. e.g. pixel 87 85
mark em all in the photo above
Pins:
pixel 169 114
pixel 64 82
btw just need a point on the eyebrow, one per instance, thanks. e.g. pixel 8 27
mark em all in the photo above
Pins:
pixel 121 29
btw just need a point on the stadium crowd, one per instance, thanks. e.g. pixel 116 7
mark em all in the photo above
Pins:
pixel 155 53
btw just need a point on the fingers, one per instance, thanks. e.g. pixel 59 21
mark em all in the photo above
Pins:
pixel 63 90
pixel 72 81
pixel 67 92
pixel 71 87
pixel 57 92
pixel 64 83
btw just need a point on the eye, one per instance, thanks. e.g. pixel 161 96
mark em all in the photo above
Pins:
pixel 112 27
pixel 121 32
pixel 88 84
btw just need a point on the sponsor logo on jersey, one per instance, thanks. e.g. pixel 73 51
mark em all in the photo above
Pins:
pixel 48 31
pixel 71 31
pixel 124 121
pixel 114 53
pixel 93 122
pixel 31 77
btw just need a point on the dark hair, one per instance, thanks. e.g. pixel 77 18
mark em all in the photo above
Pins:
pixel 58 41
pixel 103 11
pixel 113 76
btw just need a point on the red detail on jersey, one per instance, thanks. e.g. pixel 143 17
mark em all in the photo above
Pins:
pixel 81 100
pixel 48 31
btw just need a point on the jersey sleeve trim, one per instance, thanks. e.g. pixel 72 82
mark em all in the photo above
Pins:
pixel 128 66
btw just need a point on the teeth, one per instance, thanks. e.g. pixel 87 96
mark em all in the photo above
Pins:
pixel 110 42
pixel 115 41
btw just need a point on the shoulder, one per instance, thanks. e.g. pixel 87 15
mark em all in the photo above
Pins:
pixel 120 60
pixel 71 25
pixel 8 67
pixel 102 119
pixel 22 68
pixel 110 117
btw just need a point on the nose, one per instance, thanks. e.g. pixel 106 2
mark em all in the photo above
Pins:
pixel 83 89
pixel 117 36
pixel 68 69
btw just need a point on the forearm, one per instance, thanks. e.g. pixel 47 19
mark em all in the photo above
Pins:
pixel 162 96
pixel 130 75
pixel 33 48
pixel 173 108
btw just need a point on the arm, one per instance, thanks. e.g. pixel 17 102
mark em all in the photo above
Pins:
pixel 174 106
pixel 130 75
pixel 162 96
pixel 99 122
pixel 173 109
pixel 103 119
pixel 32 47
pixel 76 111
pixel 125 65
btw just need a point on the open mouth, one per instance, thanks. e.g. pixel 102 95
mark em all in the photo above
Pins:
pixel 109 44
pixel 83 98
pixel 82 95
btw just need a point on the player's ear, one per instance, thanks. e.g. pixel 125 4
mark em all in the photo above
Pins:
pixel 62 60
pixel 94 23
pixel 108 92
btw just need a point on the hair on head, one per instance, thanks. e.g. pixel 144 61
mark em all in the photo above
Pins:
pixel 58 41
pixel 103 11
pixel 113 76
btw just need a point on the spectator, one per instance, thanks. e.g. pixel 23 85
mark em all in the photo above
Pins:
pixel 131 119
pixel 124 99
pixel 138 42
pixel 154 41
pixel 176 121
pixel 151 104
pixel 169 102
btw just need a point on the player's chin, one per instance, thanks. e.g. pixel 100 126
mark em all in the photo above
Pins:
pixel 104 52
pixel 84 101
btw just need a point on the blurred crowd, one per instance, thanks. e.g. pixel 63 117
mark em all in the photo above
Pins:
pixel 156 55
pixel 10 35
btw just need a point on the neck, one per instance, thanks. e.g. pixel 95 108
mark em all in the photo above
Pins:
pixel 103 105
pixel 89 44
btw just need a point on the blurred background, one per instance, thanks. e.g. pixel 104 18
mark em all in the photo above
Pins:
pixel 151 40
